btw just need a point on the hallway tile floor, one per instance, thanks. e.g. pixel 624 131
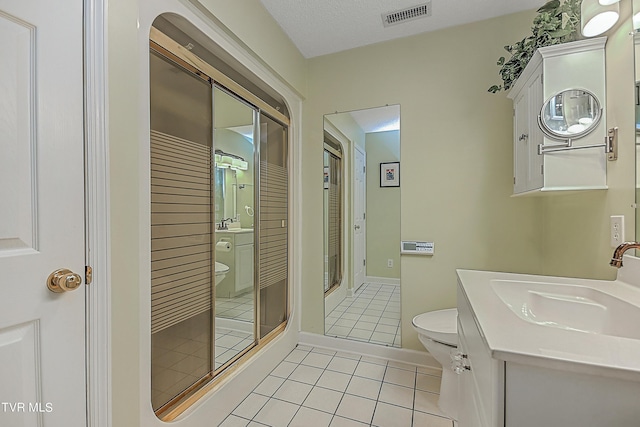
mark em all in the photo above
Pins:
pixel 315 387
pixel 372 315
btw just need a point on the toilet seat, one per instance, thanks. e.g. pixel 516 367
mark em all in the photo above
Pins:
pixel 221 268
pixel 440 325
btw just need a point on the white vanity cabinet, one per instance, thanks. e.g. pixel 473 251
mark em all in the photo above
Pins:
pixel 482 377
pixel 239 278
pixel 516 375
pixel 553 69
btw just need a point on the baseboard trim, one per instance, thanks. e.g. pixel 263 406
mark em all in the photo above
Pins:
pixel 383 280
pixel 420 358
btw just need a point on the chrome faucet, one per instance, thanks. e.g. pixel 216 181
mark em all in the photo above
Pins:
pixel 616 259
pixel 224 223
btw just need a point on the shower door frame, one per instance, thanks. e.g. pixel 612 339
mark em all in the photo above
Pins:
pixel 170 50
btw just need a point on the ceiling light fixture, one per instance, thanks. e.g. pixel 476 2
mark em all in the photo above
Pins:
pixel 597 18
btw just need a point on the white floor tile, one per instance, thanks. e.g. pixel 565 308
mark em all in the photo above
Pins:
pixel 306 374
pixel 400 377
pixel 307 417
pixel 293 392
pixel 370 370
pixel 269 385
pixel 284 369
pixel 361 391
pixel 323 399
pixel 390 415
pixel 397 395
pixel 234 421
pixel 346 366
pixel 356 408
pixel 427 420
pixel 317 360
pixel 334 380
pixel 296 356
pixel 364 387
pixel 276 413
pixel 250 406
pixel 345 422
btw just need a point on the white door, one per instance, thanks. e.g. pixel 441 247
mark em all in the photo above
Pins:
pixel 359 219
pixel 42 342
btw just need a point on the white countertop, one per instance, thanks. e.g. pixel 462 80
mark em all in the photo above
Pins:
pixel 513 339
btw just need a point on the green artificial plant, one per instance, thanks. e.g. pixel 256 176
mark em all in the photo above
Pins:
pixel 556 22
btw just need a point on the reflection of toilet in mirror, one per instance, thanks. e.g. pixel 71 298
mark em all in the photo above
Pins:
pixel 221 272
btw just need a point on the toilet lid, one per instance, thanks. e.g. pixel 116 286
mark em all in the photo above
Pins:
pixel 440 325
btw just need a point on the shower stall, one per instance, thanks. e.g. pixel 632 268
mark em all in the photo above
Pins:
pixel 219 219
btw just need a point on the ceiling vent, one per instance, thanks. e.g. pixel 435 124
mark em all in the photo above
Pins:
pixel 408 14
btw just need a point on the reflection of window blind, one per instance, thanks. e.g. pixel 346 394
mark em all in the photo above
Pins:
pixel 334 231
pixel 273 224
pixel 181 258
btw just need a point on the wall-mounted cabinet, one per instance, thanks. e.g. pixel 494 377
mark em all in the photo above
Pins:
pixel 552 70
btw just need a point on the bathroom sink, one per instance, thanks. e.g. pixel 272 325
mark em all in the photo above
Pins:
pixel 236 230
pixel 570 307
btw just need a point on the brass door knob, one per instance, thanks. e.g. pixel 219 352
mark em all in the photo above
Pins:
pixel 63 280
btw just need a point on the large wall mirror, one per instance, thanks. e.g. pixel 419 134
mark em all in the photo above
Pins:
pixel 636 43
pixel 361 160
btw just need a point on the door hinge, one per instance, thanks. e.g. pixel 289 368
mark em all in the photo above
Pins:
pixel 364 169
pixel 514 180
pixel 88 275
pixel 364 262
pixel 541 169
pixel 364 215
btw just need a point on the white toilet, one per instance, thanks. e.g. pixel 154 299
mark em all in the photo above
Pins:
pixel 221 272
pixel 438 332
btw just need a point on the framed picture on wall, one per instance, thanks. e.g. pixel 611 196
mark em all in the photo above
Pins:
pixel 326 177
pixel 390 174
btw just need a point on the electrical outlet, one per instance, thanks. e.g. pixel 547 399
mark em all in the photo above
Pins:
pixel 616 230
pixel 389 263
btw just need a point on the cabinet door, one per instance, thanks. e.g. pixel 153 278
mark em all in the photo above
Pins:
pixel 520 145
pixel 535 177
pixel 468 413
pixel 244 267
pixel 527 164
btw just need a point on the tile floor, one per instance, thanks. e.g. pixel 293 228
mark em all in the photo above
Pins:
pixel 238 308
pixel 314 387
pixel 371 315
pixel 181 353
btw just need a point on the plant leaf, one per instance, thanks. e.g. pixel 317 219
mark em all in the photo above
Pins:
pixel 549 6
pixel 560 33
pixel 500 61
pixel 494 89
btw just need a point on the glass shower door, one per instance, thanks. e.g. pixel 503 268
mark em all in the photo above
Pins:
pixel 181 231
pixel 273 275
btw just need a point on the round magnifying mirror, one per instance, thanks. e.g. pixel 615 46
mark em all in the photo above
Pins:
pixel 570 114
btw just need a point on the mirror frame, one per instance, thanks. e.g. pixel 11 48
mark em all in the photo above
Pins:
pixel 550 133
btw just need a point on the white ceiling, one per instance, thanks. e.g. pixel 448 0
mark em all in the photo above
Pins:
pixel 379 119
pixel 320 27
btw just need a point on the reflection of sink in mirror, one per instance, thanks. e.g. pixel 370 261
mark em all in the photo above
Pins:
pixel 221 272
pixel 572 307
pixel 236 230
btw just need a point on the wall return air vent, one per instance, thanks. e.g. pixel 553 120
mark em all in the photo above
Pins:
pixel 408 14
